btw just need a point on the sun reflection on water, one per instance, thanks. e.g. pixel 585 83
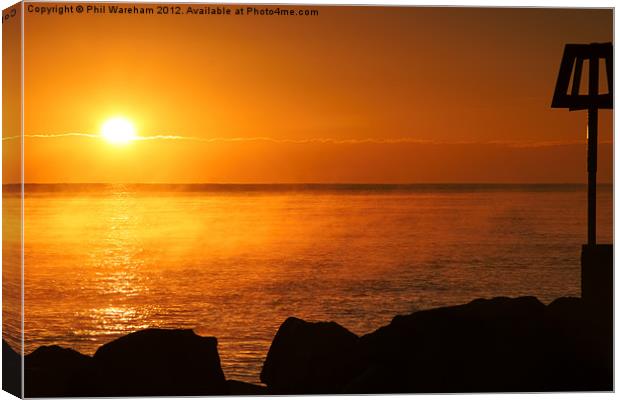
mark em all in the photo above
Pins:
pixel 117 278
pixel 119 259
pixel 103 264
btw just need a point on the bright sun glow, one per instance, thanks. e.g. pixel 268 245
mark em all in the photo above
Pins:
pixel 118 131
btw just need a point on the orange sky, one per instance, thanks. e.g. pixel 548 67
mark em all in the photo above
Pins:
pixel 364 94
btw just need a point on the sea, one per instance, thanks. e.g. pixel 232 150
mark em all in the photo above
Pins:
pixel 234 261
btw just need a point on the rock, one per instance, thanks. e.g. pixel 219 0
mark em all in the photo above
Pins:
pixel 497 345
pixel 310 358
pixel 239 388
pixel 160 362
pixel 485 345
pixel 579 348
pixel 376 378
pixel 11 370
pixel 53 371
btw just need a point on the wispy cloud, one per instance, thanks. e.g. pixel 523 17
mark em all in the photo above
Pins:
pixel 403 140
pixel 54 135
pixel 230 139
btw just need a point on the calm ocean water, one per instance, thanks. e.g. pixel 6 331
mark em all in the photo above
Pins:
pixel 235 261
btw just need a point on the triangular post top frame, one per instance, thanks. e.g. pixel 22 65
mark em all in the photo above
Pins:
pixel 572 66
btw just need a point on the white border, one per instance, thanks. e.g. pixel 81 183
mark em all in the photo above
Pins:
pixel 479 3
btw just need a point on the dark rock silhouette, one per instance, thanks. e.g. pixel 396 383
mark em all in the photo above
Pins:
pixel 307 358
pixel 497 345
pixel 11 370
pixel 579 348
pixel 485 345
pixel 149 362
pixel 160 362
pixel 55 371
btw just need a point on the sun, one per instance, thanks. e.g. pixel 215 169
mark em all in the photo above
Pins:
pixel 118 130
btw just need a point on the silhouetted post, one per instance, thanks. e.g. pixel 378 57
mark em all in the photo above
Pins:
pixel 592 148
pixel 572 66
pixel 596 260
pixel 592 162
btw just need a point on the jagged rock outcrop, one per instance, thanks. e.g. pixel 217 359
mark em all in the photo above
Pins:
pixel 151 362
pixel 160 362
pixel 488 345
pixel 496 345
pixel 54 371
pixel 579 347
pixel 485 345
pixel 499 345
pixel 310 358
